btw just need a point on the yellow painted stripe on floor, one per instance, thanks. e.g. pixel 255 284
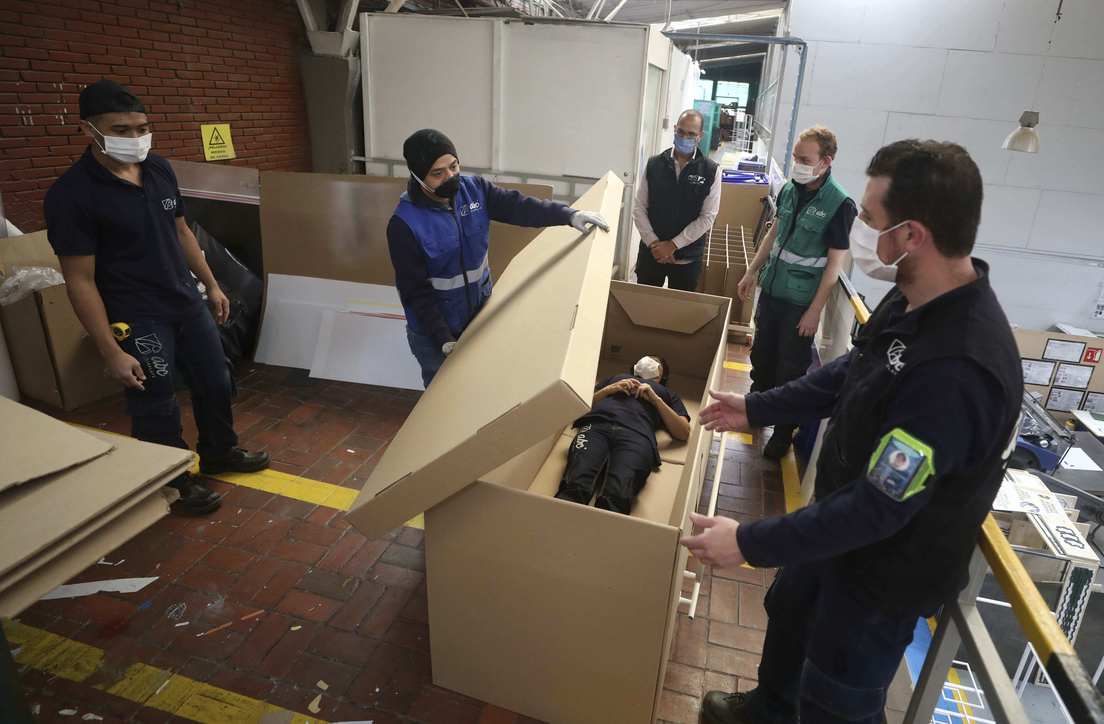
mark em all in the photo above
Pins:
pixel 738 366
pixel 146 685
pixel 743 437
pixel 791 482
pixel 292 486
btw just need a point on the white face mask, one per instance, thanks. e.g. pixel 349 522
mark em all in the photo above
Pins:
pixel 125 150
pixel 647 368
pixel 803 173
pixel 864 250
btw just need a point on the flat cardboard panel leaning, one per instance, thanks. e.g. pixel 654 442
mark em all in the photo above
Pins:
pixel 559 611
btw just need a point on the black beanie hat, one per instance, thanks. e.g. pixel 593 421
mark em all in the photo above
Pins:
pixel 423 148
pixel 107 96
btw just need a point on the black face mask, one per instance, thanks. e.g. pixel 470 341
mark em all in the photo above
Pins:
pixel 449 188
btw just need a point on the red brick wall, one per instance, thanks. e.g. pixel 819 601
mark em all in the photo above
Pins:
pixel 190 61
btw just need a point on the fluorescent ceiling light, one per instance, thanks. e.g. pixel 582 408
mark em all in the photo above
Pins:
pixel 1025 138
pixel 703 61
pixel 725 20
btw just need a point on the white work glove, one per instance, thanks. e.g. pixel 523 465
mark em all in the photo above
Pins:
pixel 581 220
pixel 447 347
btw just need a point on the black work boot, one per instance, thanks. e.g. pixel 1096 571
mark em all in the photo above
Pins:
pixel 779 443
pixel 195 497
pixel 720 707
pixel 234 460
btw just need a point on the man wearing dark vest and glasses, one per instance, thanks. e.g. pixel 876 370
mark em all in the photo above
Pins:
pixel 677 198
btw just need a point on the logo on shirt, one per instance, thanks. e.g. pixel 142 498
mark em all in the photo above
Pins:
pixel 695 179
pixel 820 214
pixel 893 356
pixel 168 204
pixel 149 344
pixel 470 208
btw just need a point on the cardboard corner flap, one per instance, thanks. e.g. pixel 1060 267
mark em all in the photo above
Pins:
pixel 522 370
pixel 642 307
pixel 33 445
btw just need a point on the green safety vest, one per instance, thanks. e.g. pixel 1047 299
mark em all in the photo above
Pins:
pixel 797 260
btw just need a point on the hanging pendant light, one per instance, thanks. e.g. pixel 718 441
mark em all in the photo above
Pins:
pixel 1025 138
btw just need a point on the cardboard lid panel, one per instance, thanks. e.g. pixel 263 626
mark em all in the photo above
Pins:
pixel 33 445
pixel 522 370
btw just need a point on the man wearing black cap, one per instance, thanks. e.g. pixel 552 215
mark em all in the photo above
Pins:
pixel 438 238
pixel 116 221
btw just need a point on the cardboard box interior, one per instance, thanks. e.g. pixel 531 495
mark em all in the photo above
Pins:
pixel 54 360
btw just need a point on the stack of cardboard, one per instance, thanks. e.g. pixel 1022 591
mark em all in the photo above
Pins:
pixel 55 362
pixel 68 497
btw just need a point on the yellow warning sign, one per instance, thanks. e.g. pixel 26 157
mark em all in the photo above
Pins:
pixel 217 144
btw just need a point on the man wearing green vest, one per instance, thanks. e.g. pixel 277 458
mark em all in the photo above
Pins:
pixel 796 265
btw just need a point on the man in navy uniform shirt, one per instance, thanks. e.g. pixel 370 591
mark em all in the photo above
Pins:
pixel 116 221
pixel 618 437
pixel 924 412
pixel 439 237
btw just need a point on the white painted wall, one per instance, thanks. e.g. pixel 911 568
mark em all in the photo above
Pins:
pixel 882 70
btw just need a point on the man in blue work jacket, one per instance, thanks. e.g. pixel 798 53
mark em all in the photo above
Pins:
pixel 438 239
pixel 924 412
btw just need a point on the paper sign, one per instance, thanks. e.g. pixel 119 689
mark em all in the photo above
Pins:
pixel 1022 492
pixel 217 144
pixel 118 585
pixel 1094 402
pixel 1093 355
pixel 1063 351
pixel 1078 459
pixel 1063 400
pixel 1076 376
pixel 1037 372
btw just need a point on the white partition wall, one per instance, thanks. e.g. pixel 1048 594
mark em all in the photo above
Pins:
pixel 879 71
pixel 517 97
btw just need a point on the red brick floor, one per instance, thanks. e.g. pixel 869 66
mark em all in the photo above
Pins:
pixel 339 607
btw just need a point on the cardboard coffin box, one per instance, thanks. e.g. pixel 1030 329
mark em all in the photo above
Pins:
pixel 559 611
pixel 55 361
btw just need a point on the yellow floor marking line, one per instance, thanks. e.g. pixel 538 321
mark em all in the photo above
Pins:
pixel 294 486
pixel 146 685
pixel 743 437
pixel 738 366
pixel 791 482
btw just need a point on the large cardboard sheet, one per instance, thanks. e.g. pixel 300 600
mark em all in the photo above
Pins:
pixel 520 372
pixel 334 226
pixel 365 347
pixel 296 308
pixel 36 515
pixel 33 445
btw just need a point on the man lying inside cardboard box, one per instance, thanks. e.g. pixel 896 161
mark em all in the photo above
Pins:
pixel 618 436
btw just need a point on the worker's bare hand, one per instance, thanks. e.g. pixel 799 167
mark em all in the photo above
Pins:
pixel 809 322
pixel 727 414
pixel 127 370
pixel 746 286
pixel 663 251
pixel 627 386
pixel 716 545
pixel 220 304
pixel 646 393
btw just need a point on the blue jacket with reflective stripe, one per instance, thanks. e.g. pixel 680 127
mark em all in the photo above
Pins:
pixel 440 254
